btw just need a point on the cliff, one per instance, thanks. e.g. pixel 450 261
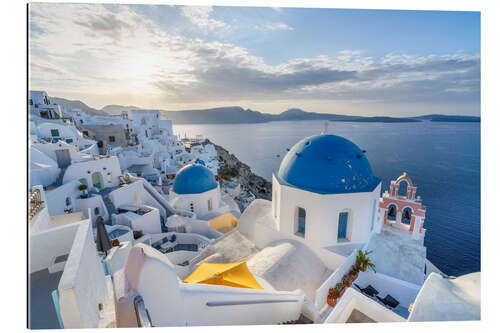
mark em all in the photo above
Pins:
pixel 233 170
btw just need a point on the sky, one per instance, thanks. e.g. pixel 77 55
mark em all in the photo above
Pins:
pixel 359 62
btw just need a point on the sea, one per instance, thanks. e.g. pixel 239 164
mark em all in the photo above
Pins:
pixel 441 158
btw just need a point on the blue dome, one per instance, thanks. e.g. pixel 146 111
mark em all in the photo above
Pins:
pixel 327 164
pixel 194 178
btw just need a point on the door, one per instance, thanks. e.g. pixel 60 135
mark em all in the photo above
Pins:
pixel 63 158
pixel 97 180
pixel 342 229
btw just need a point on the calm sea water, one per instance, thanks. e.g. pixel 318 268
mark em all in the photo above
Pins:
pixel 443 159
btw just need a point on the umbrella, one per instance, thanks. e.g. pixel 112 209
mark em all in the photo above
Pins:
pixel 231 274
pixel 103 241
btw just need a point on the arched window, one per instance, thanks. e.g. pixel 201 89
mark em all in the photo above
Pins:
pixel 209 204
pixel 391 214
pixel 406 218
pixel 403 188
pixel 342 226
pixel 68 201
pixel 300 222
pixel 96 211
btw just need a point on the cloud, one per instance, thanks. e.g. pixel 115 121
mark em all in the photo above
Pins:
pixel 201 17
pixel 277 26
pixel 98 50
pixel 108 25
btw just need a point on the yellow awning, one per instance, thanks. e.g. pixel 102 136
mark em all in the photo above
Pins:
pixel 224 223
pixel 232 275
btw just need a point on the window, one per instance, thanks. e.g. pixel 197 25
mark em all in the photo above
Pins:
pixel 54 132
pixel 391 214
pixel 406 218
pixel 111 139
pixel 301 222
pixel 342 227
pixel 69 140
pixel 209 204
pixel 85 133
pixel 96 211
pixel 403 188
pixel 68 201
pixel 31 101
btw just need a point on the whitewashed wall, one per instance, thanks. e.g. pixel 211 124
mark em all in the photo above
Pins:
pixel 127 195
pixel 404 292
pixel 56 198
pixel 80 170
pixel 172 303
pixel 354 300
pixel 322 214
pixel 92 202
pixel 46 245
pixel 83 285
pixel 199 200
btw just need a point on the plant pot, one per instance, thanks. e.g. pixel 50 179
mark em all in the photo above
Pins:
pixel 347 283
pixel 331 301
pixel 342 292
pixel 354 277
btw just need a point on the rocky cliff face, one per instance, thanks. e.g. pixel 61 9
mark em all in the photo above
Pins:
pixel 233 170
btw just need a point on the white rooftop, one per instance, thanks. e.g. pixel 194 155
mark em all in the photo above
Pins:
pixel 400 257
pixel 444 299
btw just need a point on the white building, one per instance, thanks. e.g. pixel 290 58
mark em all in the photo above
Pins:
pixel 39 104
pixel 324 196
pixel 196 190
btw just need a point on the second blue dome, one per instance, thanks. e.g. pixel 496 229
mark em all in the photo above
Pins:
pixel 193 179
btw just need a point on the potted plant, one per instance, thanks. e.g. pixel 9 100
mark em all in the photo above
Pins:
pixel 339 289
pixel 353 273
pixel 363 262
pixel 346 281
pixel 83 188
pixel 331 300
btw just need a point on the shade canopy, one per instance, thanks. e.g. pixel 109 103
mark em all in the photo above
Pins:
pixel 224 223
pixel 231 275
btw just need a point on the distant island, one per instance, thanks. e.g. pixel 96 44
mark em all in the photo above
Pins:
pixel 238 115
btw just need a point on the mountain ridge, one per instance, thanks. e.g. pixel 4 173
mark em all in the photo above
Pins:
pixel 239 115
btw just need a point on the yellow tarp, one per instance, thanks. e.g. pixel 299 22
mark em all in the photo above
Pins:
pixel 232 275
pixel 224 223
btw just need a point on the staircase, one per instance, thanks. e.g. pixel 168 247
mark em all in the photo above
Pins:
pixel 302 320
pixel 60 177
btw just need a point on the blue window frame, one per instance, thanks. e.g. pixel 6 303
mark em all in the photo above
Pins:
pixel 301 221
pixel 342 228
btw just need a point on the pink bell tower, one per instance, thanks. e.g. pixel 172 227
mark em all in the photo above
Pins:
pixel 401 208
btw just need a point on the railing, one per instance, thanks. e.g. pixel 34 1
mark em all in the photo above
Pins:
pixel 34 203
pixel 333 279
pixel 142 314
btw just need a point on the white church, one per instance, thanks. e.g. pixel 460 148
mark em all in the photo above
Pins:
pixel 324 195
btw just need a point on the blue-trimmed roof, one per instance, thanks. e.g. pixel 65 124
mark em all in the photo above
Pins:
pixel 194 178
pixel 327 164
